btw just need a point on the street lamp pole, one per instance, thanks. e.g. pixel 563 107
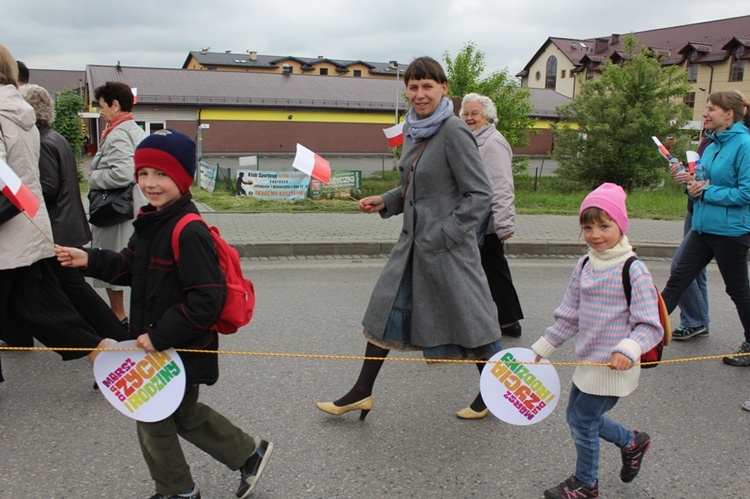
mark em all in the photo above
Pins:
pixel 395 64
pixel 704 108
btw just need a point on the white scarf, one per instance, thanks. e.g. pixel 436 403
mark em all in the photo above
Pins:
pixel 614 255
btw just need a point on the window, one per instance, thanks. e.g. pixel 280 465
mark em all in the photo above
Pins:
pixel 562 74
pixel 357 73
pixel 551 77
pixel 692 73
pixel 689 99
pixel 589 75
pixel 324 71
pixel 737 70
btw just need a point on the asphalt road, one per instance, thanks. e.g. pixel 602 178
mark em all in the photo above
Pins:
pixel 61 439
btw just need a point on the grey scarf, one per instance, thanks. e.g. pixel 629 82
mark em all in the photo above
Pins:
pixel 423 129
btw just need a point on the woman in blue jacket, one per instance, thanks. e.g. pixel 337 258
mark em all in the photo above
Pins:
pixel 721 212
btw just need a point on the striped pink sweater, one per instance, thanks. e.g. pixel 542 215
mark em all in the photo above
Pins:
pixel 595 309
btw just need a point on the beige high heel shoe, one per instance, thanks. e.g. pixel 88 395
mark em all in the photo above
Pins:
pixel 365 405
pixel 469 413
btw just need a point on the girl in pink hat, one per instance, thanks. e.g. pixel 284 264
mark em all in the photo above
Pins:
pixel 610 333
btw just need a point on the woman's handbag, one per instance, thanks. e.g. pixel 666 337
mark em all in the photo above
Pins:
pixel 110 206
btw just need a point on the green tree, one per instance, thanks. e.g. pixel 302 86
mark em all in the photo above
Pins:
pixel 68 122
pixel 605 132
pixel 513 107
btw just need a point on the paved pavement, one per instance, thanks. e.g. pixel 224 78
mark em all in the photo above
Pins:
pixel 314 234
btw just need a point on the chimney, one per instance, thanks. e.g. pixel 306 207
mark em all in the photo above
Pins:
pixel 227 51
pixel 287 70
pixel 253 55
pixel 601 45
pixel 615 39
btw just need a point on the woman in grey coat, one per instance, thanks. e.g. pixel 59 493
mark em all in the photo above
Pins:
pixel 113 168
pixel 432 294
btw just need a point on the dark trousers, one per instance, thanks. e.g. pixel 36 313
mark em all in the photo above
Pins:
pixel 89 304
pixel 201 426
pixel 731 257
pixel 33 304
pixel 501 283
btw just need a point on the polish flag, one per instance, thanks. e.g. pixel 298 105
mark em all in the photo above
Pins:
pixel 15 190
pixel 395 134
pixel 135 94
pixel 663 150
pixel 308 162
pixel 693 159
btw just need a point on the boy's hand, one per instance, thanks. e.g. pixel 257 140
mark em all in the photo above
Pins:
pixel 620 362
pixel 144 342
pixel 71 257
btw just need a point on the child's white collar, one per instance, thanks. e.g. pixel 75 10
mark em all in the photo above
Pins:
pixel 614 255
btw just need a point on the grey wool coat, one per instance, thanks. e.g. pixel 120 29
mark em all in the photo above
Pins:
pixel 447 195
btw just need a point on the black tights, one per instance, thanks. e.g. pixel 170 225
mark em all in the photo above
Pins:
pixel 370 369
pixel 478 404
pixel 366 380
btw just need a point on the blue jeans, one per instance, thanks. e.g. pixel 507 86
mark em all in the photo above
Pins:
pixel 731 258
pixel 587 425
pixel 694 301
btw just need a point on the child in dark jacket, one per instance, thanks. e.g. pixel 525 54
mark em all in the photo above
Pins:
pixel 174 306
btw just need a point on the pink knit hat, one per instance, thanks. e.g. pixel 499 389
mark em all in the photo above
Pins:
pixel 611 199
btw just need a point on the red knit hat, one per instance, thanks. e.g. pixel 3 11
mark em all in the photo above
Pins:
pixel 611 199
pixel 171 152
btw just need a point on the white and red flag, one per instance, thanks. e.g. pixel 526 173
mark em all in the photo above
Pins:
pixel 663 150
pixel 16 191
pixel 308 162
pixel 135 94
pixel 395 134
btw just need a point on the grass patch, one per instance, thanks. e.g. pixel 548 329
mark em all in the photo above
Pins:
pixel 541 196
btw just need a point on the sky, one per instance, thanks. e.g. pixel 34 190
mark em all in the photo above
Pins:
pixel 51 34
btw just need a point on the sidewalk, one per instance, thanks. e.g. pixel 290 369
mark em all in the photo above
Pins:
pixel 310 234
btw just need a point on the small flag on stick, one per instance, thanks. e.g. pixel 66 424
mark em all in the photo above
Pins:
pixel 693 159
pixel 663 150
pixel 16 191
pixel 135 94
pixel 395 134
pixel 308 162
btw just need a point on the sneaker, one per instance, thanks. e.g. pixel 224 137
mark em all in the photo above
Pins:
pixel 685 332
pixel 740 360
pixel 513 331
pixel 746 405
pixel 192 494
pixel 572 488
pixel 253 467
pixel 632 457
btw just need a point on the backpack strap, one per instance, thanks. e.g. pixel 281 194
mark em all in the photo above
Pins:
pixel 181 223
pixel 626 277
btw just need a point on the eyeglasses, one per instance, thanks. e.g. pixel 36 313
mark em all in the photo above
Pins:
pixel 473 114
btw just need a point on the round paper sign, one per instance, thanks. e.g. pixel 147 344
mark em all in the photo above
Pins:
pixel 144 386
pixel 519 394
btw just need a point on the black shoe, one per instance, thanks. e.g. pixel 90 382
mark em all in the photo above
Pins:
pixel 685 333
pixel 193 494
pixel 740 360
pixel 513 331
pixel 631 458
pixel 253 467
pixel 572 488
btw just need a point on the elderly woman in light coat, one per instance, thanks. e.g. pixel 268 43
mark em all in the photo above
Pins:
pixel 480 114
pixel 31 300
pixel 432 294
pixel 113 168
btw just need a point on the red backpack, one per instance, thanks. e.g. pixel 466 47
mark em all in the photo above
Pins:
pixel 653 355
pixel 240 301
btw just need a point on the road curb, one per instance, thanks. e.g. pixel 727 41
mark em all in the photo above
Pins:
pixel 546 248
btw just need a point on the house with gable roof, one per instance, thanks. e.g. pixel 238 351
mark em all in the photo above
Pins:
pixel 715 55
pixel 322 66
